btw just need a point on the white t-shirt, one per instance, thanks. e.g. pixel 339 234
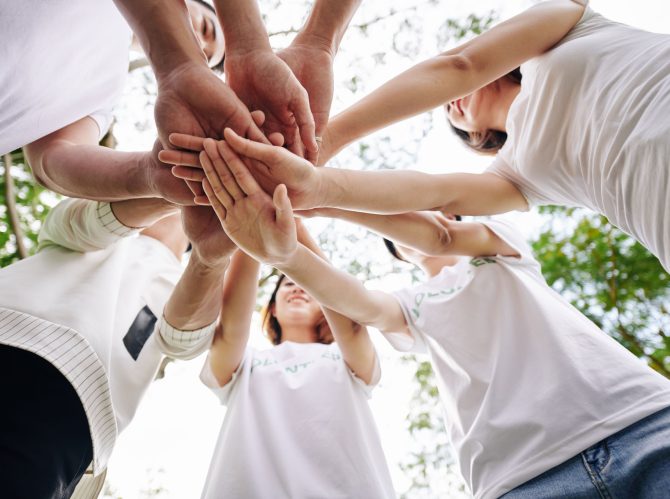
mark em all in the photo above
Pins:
pixel 591 128
pixel 527 381
pixel 298 426
pixel 90 299
pixel 62 60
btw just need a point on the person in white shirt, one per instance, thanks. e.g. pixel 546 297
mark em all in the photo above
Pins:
pixel 60 106
pixel 86 322
pixel 298 424
pixel 539 401
pixel 587 125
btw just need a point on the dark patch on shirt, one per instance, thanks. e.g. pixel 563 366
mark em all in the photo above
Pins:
pixel 139 332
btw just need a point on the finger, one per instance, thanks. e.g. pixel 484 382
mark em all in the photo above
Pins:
pixel 248 148
pixel 305 121
pixel 239 170
pixel 202 200
pixel 174 157
pixel 185 141
pixel 214 181
pixel 186 173
pixel 196 188
pixel 276 139
pixel 259 117
pixel 283 209
pixel 219 209
pixel 224 177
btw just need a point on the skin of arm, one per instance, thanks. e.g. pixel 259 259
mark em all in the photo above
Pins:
pixel 369 191
pixel 237 198
pixel 352 338
pixel 70 161
pixel 196 299
pixel 455 73
pixel 427 232
pixel 232 333
pixel 311 53
pixel 261 79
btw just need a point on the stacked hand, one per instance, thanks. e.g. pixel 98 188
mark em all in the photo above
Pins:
pixel 210 243
pixel 261 225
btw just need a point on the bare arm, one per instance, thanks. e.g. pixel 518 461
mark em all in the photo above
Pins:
pixel 428 232
pixel 353 339
pixel 70 161
pixel 232 332
pixel 455 73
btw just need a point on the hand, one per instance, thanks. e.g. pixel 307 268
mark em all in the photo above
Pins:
pixel 262 226
pixel 163 183
pixel 313 67
pixel 186 160
pixel 193 100
pixel 272 166
pixel 263 81
pixel 210 243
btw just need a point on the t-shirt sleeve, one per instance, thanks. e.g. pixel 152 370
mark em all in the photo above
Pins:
pixel 82 225
pixel 224 392
pixel 412 339
pixel 501 168
pixel 184 345
pixel 103 118
pixel 514 238
pixel 374 381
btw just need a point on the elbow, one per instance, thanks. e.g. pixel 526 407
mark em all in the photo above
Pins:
pixel 442 242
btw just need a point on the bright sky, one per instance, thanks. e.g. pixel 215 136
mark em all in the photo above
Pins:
pixel 173 434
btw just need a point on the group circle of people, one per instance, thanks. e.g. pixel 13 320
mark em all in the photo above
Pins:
pixel 539 402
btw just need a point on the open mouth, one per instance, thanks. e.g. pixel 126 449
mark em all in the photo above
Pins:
pixel 293 299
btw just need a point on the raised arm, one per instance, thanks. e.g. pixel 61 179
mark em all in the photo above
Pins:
pixel 311 53
pixel 70 161
pixel 272 238
pixel 261 79
pixel 353 338
pixel 428 232
pixel 376 191
pixel 193 307
pixel 455 73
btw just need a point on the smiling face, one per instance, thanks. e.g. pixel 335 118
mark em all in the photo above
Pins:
pixel 293 307
pixel 474 113
pixel 208 31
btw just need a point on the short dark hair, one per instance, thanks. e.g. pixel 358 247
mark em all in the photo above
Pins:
pixel 490 141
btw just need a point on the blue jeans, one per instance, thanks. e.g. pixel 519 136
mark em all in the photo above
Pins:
pixel 633 463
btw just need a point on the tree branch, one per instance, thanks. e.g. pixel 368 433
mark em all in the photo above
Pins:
pixel 12 213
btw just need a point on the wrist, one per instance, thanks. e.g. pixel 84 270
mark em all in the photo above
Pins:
pixel 207 267
pixel 290 261
pixel 311 38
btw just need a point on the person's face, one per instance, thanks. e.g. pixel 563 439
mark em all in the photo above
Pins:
pixel 474 112
pixel 294 306
pixel 207 29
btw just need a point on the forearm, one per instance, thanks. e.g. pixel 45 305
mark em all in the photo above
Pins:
pixel 196 299
pixel 139 213
pixel 327 23
pixel 405 191
pixel 242 25
pixel 93 172
pixel 421 88
pixel 164 30
pixel 332 288
pixel 418 230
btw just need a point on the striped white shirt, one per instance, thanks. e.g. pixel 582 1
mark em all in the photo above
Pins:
pixel 88 302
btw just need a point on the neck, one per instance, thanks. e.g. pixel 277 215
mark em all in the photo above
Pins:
pixel 434 265
pixel 507 92
pixel 298 333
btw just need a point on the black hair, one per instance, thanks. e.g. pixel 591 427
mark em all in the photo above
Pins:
pixel 489 141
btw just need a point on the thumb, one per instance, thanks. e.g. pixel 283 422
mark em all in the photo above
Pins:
pixel 283 208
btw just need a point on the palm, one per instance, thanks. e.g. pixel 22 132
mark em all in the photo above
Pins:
pixel 251 224
pixel 313 68
pixel 164 183
pixel 203 229
pixel 263 81
pixel 195 102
